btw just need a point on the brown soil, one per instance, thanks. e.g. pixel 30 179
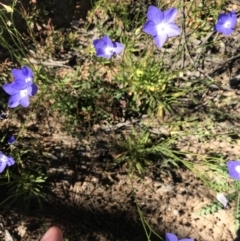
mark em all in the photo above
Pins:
pixel 93 199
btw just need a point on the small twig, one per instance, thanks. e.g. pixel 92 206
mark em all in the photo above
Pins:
pixel 214 82
pixel 183 34
pixel 206 74
pixel 49 63
pixel 202 48
pixel 194 62
pixel 220 65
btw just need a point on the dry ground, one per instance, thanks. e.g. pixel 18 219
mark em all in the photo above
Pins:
pixel 92 199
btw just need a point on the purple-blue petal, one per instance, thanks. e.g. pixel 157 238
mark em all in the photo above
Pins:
pixel 22 78
pixel 107 40
pixel 8 89
pixel 169 15
pixel 150 28
pixel 222 18
pixel 24 101
pixel 118 47
pixel 221 29
pixel 172 30
pixel 2 166
pixel 3 158
pixel 10 161
pixel 171 237
pixel 160 39
pixel 11 140
pixel 14 101
pixel 27 71
pixel 230 18
pixel 99 43
pixel 32 90
pixel 101 53
pixel 20 84
pixel 155 14
pixel 106 48
pixel 102 43
pixel 232 165
pixel 22 73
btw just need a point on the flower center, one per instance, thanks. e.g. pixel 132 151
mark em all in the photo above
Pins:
pixel 23 93
pixel 227 24
pixel 28 79
pixel 3 158
pixel 161 27
pixel 109 51
pixel 237 169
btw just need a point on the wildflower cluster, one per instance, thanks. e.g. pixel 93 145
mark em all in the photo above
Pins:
pixel 19 90
pixel 160 25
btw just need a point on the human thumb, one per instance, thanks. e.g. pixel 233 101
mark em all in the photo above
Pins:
pixel 53 234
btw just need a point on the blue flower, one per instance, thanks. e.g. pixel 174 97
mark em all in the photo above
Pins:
pixel 23 78
pixel 11 140
pixel 21 88
pixel 234 169
pixel 19 97
pixel 173 237
pixel 226 23
pixel 5 161
pixel 161 25
pixel 105 48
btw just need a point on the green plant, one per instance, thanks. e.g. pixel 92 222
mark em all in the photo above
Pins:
pixel 139 150
pixel 215 206
pixel 150 80
pixel 26 189
pixel 147 228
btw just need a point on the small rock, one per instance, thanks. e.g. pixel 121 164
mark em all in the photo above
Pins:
pixel 8 237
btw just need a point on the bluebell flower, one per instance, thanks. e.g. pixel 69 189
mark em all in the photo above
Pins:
pixel 21 88
pixel 5 161
pixel 105 48
pixel 173 237
pixel 23 78
pixel 19 97
pixel 11 140
pixel 234 169
pixel 161 25
pixel 226 23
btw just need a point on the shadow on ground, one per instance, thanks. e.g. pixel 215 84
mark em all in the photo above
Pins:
pixel 60 13
pixel 87 218
pixel 81 223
